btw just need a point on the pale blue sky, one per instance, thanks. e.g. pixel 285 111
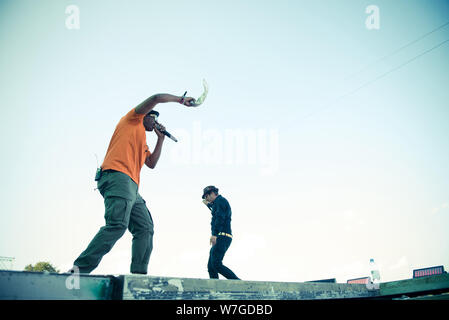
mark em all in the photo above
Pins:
pixel 364 176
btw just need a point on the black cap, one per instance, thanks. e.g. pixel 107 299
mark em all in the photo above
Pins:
pixel 152 113
pixel 208 190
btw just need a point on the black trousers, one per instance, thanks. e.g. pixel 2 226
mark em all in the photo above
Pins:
pixel 215 265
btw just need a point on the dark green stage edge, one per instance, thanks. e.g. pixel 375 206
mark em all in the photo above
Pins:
pixel 17 285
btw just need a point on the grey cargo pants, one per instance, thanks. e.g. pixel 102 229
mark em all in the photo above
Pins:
pixel 124 209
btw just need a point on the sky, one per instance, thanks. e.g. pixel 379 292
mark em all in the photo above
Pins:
pixel 329 142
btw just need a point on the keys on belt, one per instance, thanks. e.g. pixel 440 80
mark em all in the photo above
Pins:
pixel 225 234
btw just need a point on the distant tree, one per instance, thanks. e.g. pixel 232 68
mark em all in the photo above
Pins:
pixel 41 267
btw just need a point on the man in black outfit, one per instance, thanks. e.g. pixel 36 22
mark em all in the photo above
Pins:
pixel 221 233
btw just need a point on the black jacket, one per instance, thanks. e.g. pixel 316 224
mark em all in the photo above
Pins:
pixel 221 216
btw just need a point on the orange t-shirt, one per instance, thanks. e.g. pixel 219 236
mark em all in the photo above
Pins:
pixel 128 148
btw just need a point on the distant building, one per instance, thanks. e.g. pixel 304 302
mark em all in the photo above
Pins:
pixel 6 263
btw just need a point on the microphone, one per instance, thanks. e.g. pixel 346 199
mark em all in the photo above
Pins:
pixel 166 133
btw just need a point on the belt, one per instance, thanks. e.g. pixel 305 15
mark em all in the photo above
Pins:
pixel 225 234
pixel 109 170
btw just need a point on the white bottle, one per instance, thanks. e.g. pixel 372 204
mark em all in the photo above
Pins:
pixel 375 275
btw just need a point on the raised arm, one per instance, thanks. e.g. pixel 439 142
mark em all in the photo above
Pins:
pixel 152 101
pixel 208 205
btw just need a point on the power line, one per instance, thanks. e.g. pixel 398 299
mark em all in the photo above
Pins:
pixel 379 77
pixel 397 50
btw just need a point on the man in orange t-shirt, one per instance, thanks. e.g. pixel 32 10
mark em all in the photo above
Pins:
pixel 119 184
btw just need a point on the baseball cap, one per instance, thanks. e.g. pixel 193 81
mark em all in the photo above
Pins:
pixel 208 190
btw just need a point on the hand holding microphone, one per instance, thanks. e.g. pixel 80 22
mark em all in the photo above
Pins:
pixel 160 130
